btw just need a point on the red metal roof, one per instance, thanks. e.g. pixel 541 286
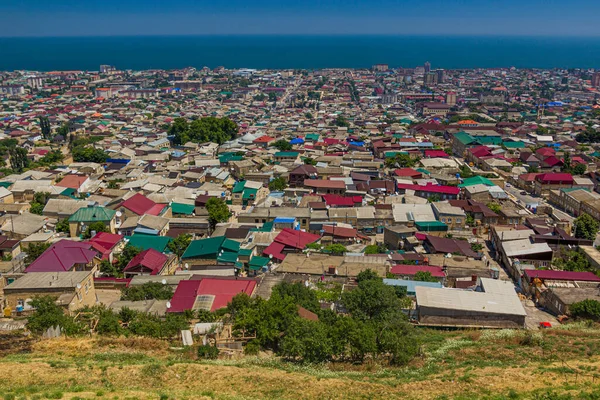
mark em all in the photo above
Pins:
pixel 324 184
pixel 562 275
pixel 150 258
pixel 337 200
pixel 140 205
pixel 556 178
pixel 222 289
pixel 431 188
pixel 63 256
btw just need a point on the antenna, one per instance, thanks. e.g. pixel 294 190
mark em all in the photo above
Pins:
pixel 164 281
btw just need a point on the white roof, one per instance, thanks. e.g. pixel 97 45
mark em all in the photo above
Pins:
pixel 522 247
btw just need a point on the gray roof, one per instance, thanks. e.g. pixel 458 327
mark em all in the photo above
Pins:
pixel 499 297
pixel 49 280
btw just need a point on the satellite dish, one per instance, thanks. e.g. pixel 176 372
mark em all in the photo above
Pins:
pixel 79 286
pixel 168 304
pixel 119 213
pixel 270 255
pixel 306 283
pixel 164 281
pixel 186 266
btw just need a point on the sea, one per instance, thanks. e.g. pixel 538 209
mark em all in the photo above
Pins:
pixel 301 52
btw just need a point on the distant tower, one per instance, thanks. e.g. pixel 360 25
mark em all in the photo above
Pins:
pixel 427 67
pixel 441 75
pixel 596 79
pixel 451 98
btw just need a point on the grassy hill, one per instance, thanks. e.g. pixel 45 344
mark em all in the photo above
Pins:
pixel 561 363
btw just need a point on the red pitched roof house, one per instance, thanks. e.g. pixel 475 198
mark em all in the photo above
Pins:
pixel 148 262
pixel 335 200
pixel 138 204
pixel 445 192
pixel 551 162
pixel 408 172
pixel 64 255
pixel 409 271
pixel 73 182
pixel 208 293
pixel 544 183
pixel 289 240
pixel 436 154
pixel 106 243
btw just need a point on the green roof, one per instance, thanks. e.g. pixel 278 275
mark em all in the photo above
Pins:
pixel 249 193
pixel 514 145
pixel 228 257
pixel 245 252
pixel 5 184
pixel 69 192
pixel 266 227
pixel 312 137
pixel 145 242
pixel 239 187
pixel 230 156
pixel 424 171
pixel 476 180
pixel 391 154
pixel 428 226
pixel 211 247
pixel 286 154
pixel 92 214
pixel 464 137
pixel 489 139
pixel 179 208
pixel 257 263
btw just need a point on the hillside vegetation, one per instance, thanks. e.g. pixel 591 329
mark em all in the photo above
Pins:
pixel 561 363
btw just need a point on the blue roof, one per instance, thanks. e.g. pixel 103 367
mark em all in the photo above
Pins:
pixel 359 144
pixel 284 220
pixel 411 285
pixel 297 141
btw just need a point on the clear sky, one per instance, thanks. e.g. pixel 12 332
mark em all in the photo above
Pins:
pixel 219 17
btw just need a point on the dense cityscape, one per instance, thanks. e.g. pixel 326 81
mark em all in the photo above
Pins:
pixel 351 217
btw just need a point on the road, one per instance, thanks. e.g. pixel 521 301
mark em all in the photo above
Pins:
pixel 525 199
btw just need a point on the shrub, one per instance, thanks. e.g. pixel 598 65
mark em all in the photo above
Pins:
pixel 207 352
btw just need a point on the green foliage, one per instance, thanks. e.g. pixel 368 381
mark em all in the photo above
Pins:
pixel 97 226
pixel 424 276
pixel 314 246
pixel 18 159
pixel 282 145
pixel 36 208
pixel 52 157
pixel 48 314
pixel 588 309
pixel 586 227
pixel 217 211
pixel 152 326
pixel 476 246
pixel 180 244
pixel 373 301
pixel 495 207
pixel 335 249
pixel 108 322
pixel 126 255
pixel 375 249
pixel 465 172
pixel 89 154
pixel 63 226
pixel 114 184
pixel 308 341
pixel 109 269
pixel 299 293
pixel 310 161
pixel 401 161
pixel 45 127
pixel 434 198
pixel 341 121
pixel 34 250
pixel 277 184
pixel 470 220
pixel 579 169
pixel 589 136
pixel 367 275
pixel 573 260
pixel 207 352
pixel 202 130
pixel 147 291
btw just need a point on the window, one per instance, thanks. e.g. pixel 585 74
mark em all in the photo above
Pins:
pixel 256 221
pixel 303 221
pixel 458 220
pixel 79 296
pixel 87 287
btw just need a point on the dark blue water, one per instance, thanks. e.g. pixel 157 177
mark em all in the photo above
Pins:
pixel 145 52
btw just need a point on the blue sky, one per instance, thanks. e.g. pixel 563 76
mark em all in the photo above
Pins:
pixel 219 17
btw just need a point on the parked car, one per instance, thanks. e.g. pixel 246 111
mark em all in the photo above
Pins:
pixel 524 193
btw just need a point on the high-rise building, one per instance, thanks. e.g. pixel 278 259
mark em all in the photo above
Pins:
pixel 427 67
pixel 596 79
pixel 441 76
pixel 451 98
pixel 380 67
pixel 430 78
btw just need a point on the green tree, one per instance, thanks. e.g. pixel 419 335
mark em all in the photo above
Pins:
pixel 282 145
pixel 36 208
pixel 277 184
pixel 307 340
pixel 180 244
pixel 126 255
pixel 579 169
pixel 336 249
pixel 48 314
pixel 18 159
pixel 434 198
pixel 566 167
pixel 586 227
pixel 374 301
pixel 367 275
pixel 52 157
pixel 97 226
pixel 401 161
pixel 310 161
pixel 300 294
pixel 63 226
pixel 202 130
pixel 147 291
pixel 89 154
pixel 495 207
pixel 217 211
pixel 341 121
pixel 533 169
pixel 375 249
pixel 34 250
pixel 45 127
pixel 587 309
pixel 424 276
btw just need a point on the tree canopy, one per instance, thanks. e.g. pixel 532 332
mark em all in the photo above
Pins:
pixel 217 211
pixel 586 227
pixel 180 244
pixel 277 184
pixel 89 154
pixel 202 130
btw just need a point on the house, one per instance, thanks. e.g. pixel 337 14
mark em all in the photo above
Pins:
pixel 23 225
pixel 289 241
pixel 209 294
pixel 450 215
pixel 65 255
pixel 78 183
pixel 299 174
pixel 72 290
pixel 150 262
pixel 286 156
pixel 431 191
pixel 138 204
pixel 146 225
pixel 248 193
pixel 436 244
pixel 494 304
pixel 544 183
pixel 106 244
pixel 217 250
pixel 85 216
pixel 409 271
pixel 62 208
pixel 322 186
